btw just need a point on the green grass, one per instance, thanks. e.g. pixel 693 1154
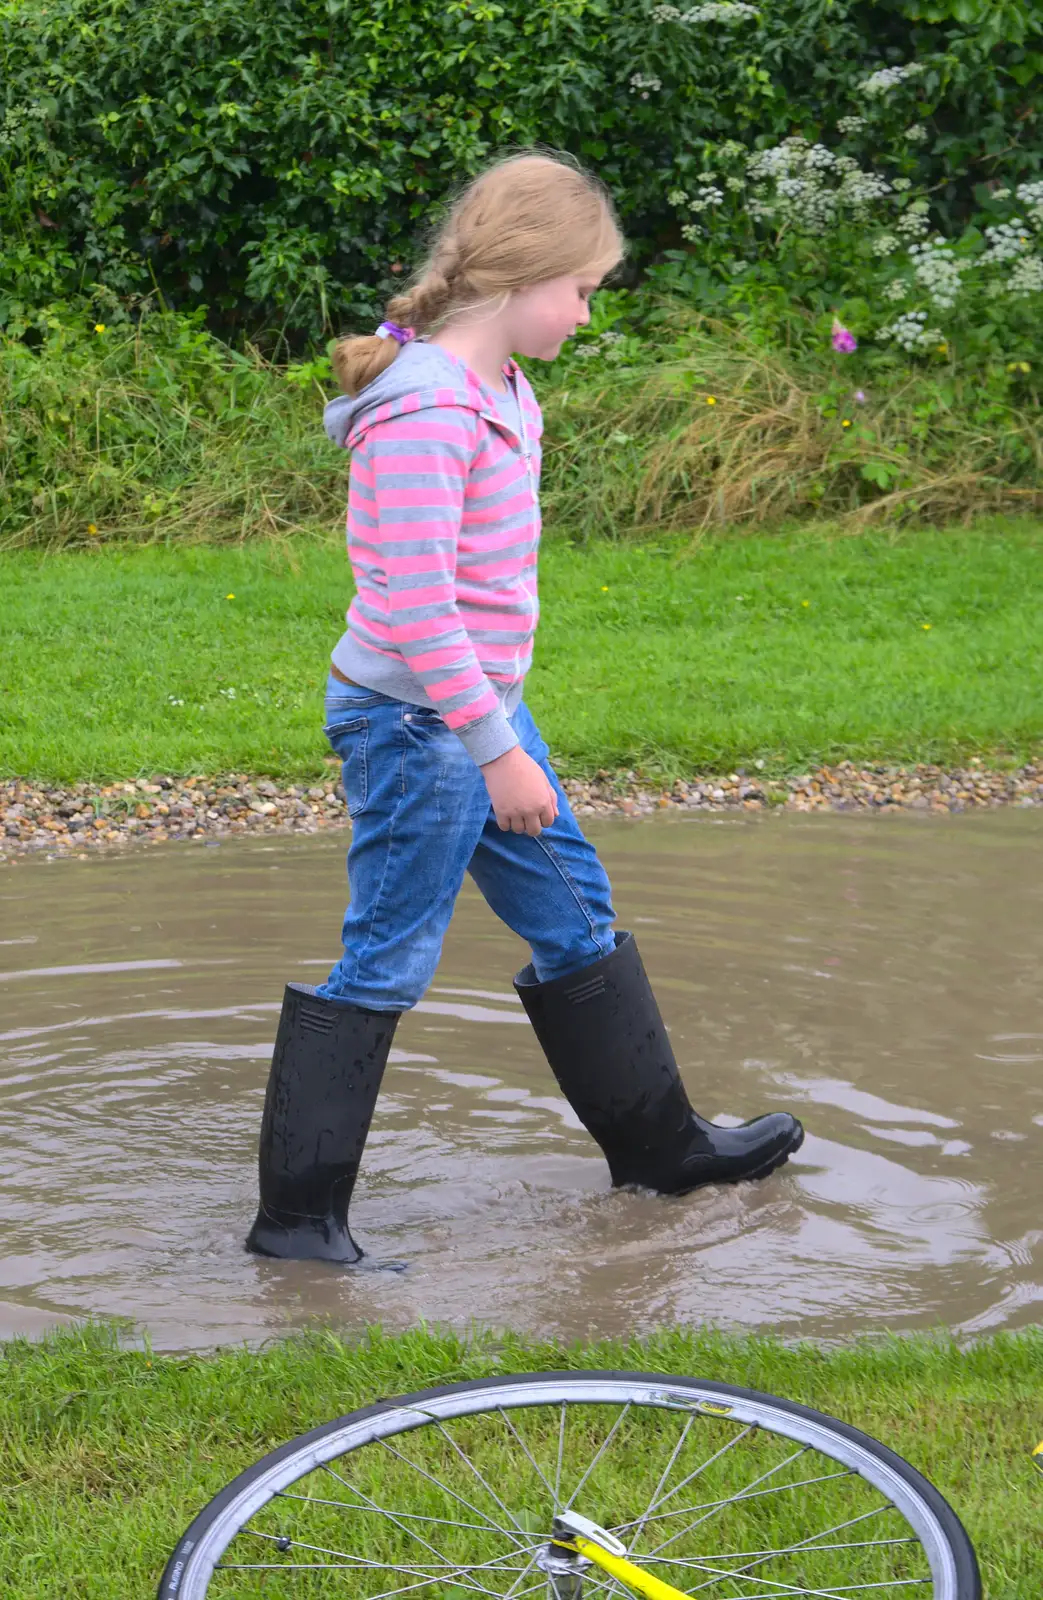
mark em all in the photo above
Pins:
pixel 106 1453
pixel 669 656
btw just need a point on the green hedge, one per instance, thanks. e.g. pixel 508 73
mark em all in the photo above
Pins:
pixel 276 160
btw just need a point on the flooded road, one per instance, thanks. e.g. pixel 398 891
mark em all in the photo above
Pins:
pixel 882 977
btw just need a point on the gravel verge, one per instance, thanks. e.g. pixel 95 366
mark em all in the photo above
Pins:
pixel 82 817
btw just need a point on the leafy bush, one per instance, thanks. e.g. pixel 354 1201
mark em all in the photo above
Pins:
pixel 277 160
pixel 822 228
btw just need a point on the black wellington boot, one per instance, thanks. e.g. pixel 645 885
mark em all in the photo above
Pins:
pixel 325 1078
pixel 601 1031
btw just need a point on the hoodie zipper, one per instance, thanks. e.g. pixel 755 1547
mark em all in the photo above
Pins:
pixel 522 438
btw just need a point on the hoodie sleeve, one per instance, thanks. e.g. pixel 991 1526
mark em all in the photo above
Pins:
pixel 406 506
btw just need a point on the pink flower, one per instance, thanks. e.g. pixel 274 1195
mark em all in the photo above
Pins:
pixel 843 341
pixel 860 397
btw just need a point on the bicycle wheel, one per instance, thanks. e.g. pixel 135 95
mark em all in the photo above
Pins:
pixel 720 1491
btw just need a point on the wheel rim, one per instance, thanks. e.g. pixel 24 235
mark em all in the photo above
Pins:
pixel 721 1493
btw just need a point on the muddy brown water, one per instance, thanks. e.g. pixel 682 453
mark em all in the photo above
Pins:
pixel 881 976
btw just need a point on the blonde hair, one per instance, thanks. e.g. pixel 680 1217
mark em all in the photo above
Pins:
pixel 528 218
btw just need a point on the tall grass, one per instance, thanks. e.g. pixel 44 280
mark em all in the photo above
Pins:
pixel 732 434
pixel 157 431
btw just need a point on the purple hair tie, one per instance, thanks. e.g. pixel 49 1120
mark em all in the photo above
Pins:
pixel 391 330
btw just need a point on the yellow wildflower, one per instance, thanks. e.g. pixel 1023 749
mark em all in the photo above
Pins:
pixel 92 528
pixel 846 423
pixel 99 327
pixel 229 596
pixel 604 588
pixel 711 399
pixel 805 602
pixel 927 627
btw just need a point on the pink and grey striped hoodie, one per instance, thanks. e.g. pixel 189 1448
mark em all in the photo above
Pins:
pixel 443 529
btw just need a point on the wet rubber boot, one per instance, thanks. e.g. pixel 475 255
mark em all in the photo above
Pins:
pixel 327 1066
pixel 606 1043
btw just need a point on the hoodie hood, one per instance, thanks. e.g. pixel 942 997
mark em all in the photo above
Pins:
pixel 422 375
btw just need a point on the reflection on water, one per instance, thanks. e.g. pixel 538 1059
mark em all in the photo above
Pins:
pixel 881 976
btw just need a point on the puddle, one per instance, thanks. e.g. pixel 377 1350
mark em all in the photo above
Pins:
pixel 882 977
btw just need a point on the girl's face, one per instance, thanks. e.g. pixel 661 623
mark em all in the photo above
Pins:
pixel 544 315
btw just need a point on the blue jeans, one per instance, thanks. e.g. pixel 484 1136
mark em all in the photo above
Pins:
pixel 421 818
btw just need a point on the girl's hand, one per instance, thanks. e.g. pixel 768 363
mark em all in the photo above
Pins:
pixel 522 799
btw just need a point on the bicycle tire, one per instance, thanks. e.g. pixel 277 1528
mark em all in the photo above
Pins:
pixel 950 1553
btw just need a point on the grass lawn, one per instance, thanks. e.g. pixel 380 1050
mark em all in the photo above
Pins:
pixel 106 1454
pixel 789 649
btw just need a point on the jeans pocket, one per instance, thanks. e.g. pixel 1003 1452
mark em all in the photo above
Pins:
pixel 349 740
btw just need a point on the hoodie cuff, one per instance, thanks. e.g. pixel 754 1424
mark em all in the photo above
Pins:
pixel 489 737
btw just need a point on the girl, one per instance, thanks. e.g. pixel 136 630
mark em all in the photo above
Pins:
pixel 444 768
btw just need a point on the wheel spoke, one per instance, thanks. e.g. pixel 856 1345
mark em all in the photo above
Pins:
pixel 371 1505
pixel 783 1550
pixel 512 1591
pixel 535 1465
pixel 658 1516
pixel 561 1452
pixel 601 1451
pixel 445 1572
pixel 406 1516
pixel 465 1458
pixel 608 1584
pixel 837 1594
pixel 447 1489
pixel 808 1544
pixel 712 1507
pixel 656 1492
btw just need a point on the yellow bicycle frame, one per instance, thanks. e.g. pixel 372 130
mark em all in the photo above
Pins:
pixel 642 1583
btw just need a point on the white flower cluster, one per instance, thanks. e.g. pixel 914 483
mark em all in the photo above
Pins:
pixel 804 194
pixel 606 344
pixel 1031 197
pixel 900 185
pixel 910 331
pixel 897 289
pixel 886 244
pixel 707 194
pixel 1026 277
pixel 720 11
pixel 859 189
pixel 938 271
pixel 640 83
pixel 916 134
pixel 850 124
pixel 914 221
pixel 1007 241
pixel 888 77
